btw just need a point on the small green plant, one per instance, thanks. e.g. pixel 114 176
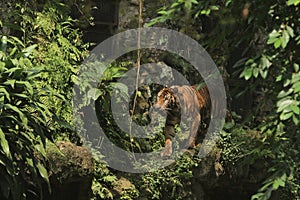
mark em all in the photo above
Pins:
pixel 103 182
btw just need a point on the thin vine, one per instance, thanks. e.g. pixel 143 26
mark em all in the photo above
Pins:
pixel 140 21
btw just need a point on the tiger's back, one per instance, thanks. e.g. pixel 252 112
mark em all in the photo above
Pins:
pixel 193 99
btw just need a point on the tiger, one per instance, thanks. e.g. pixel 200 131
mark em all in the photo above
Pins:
pixel 187 100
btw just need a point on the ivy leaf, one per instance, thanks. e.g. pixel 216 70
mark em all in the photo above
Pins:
pixel 296 67
pixel 284 104
pixel 290 30
pixel 273 37
pixel 277 43
pixel 295 77
pixel 296 109
pixel 264 74
pixel 247 73
pixel 277 183
pixel 283 93
pixel 295 120
pixel 284 116
pixel 255 72
pixel 279 78
pixel 285 38
pixel 265 62
pixel 296 87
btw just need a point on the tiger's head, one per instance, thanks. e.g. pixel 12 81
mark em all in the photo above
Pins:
pixel 166 99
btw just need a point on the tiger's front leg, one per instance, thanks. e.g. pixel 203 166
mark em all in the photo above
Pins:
pixel 167 152
pixel 169 132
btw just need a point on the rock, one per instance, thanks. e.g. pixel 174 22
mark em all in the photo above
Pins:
pixel 71 170
pixel 134 2
pixel 122 185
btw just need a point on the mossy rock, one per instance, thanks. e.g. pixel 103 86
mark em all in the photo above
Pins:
pixel 70 169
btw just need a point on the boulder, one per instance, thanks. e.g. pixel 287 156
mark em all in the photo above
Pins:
pixel 70 170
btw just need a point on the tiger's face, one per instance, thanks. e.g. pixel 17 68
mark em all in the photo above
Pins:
pixel 165 99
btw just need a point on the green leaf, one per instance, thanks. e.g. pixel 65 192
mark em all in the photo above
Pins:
pixel 40 148
pixel 284 104
pixel 2 66
pixel 247 73
pixel 296 87
pixel 273 37
pixel 4 91
pixel 4 144
pixel 3 45
pixel 296 109
pixel 295 120
pixel 290 30
pixel 264 62
pixel 279 78
pixel 109 178
pixel 16 109
pixel 10 82
pixel 293 2
pixel 258 196
pixel 263 73
pixel 280 181
pixel 30 162
pixel 255 72
pixel 286 83
pixel 277 183
pixel 43 172
pixel 295 77
pixel 188 5
pixel 162 12
pixel 284 116
pixel 285 38
pixel 284 93
pixel 175 4
pixel 29 50
pixel 277 43
pixel 27 85
pixel 296 67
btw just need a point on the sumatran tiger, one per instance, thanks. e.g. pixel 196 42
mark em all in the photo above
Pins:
pixel 182 100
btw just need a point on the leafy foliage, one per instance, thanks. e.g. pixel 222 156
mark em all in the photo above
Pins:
pixel 37 61
pixel 103 182
pixel 259 42
pixel 59 51
pixel 256 42
pixel 24 123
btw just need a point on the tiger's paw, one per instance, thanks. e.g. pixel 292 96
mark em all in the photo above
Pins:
pixel 191 143
pixel 167 152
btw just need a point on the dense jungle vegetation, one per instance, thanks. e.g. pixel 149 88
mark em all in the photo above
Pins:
pixel 254 43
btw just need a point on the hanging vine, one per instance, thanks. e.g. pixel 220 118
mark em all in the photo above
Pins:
pixel 138 64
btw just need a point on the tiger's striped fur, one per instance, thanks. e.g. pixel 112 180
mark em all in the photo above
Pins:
pixel 182 100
